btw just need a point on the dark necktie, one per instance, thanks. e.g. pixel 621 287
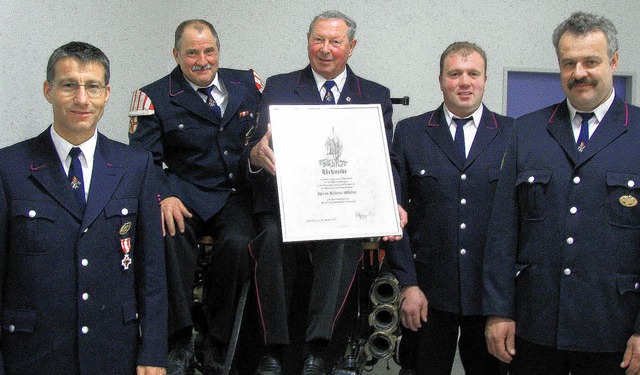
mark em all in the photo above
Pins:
pixel 328 95
pixel 75 176
pixel 211 101
pixel 459 137
pixel 583 138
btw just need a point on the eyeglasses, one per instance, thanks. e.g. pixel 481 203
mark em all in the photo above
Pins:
pixel 70 88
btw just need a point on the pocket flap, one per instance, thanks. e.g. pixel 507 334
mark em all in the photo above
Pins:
pixel 628 283
pixel 541 176
pixel 121 207
pixel 18 320
pixel 627 180
pixel 34 209
pixel 129 311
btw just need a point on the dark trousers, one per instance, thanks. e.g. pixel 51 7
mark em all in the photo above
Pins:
pixel 232 230
pixel 534 359
pixel 432 349
pixel 334 267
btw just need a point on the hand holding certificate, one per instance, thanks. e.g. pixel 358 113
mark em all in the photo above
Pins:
pixel 334 175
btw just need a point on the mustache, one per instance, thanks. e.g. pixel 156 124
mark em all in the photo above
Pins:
pixel 197 68
pixel 582 81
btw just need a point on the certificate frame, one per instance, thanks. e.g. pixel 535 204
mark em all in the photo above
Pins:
pixel 333 172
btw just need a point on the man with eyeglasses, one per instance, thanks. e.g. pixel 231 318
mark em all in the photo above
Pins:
pixel 194 122
pixel 82 272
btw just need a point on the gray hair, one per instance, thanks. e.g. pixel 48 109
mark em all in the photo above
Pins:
pixel 84 52
pixel 199 25
pixel 581 23
pixel 334 14
pixel 464 49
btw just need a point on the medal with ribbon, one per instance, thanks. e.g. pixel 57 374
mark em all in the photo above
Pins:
pixel 125 243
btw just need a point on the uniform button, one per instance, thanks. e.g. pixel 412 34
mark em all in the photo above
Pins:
pixel 517 273
pixel 181 126
pixel 233 190
pixel 85 262
pixel 85 230
pixel 85 329
pixel 463 201
pixel 221 128
pixel 226 152
pixel 415 256
pixel 576 180
pixel 570 240
pixel 124 211
pixel 463 177
pixel 463 226
pixel 85 296
pixel 636 286
pixel 12 328
pixel 531 179
pixel 32 213
pixel 567 271
pixel 136 315
pixel 422 171
pixel 631 183
pixel 573 210
pixel 251 115
pixel 230 175
pixel 463 251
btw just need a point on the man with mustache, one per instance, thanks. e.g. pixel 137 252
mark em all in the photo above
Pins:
pixel 562 260
pixel 194 122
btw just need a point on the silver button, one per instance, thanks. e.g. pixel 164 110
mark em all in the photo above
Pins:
pixel 230 175
pixel 181 126
pixel 463 226
pixel 233 190
pixel 251 115
pixel 85 296
pixel 85 262
pixel 226 152
pixel 531 179
pixel 12 328
pixel 85 230
pixel 463 177
pixel 124 211
pixel 573 210
pixel 576 180
pixel 415 256
pixel 32 213
pixel 422 171
pixel 85 329
pixel 463 201
pixel 636 286
pixel 570 240
pixel 221 128
pixel 631 183
pixel 517 273
pixel 463 251
pixel 567 271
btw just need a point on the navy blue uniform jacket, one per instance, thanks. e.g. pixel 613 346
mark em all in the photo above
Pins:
pixel 563 251
pixel 201 152
pixel 68 305
pixel 299 87
pixel 441 194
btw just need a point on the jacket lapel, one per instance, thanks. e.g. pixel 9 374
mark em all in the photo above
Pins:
pixel 106 175
pixel 236 92
pixel 46 169
pixel 612 126
pixel 306 87
pixel 185 96
pixel 559 126
pixel 351 92
pixel 438 130
pixel 487 131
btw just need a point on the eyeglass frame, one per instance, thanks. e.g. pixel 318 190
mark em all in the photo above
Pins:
pixel 73 87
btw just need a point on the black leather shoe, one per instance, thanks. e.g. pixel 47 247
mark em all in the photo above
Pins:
pixel 180 360
pixel 313 365
pixel 268 365
pixel 213 363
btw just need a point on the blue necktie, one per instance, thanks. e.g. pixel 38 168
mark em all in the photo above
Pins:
pixel 328 95
pixel 75 176
pixel 583 137
pixel 459 137
pixel 211 101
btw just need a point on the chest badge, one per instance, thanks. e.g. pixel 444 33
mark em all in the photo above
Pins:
pixel 628 201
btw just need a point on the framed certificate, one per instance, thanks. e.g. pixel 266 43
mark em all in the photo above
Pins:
pixel 333 172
